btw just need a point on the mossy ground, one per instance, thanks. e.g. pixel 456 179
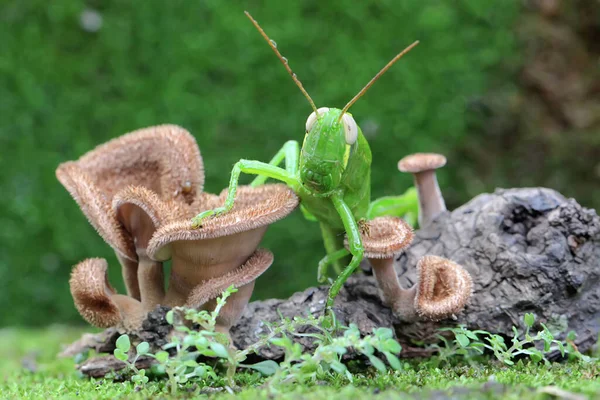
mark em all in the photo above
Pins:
pixel 29 369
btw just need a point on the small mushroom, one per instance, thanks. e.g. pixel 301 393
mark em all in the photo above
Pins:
pixel 443 287
pixel 383 239
pixel 224 252
pixel 164 159
pixel 423 166
pixel 97 301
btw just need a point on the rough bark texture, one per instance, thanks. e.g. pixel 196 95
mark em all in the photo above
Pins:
pixel 528 250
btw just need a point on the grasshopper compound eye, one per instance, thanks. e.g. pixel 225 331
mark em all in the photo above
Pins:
pixel 350 128
pixel 312 118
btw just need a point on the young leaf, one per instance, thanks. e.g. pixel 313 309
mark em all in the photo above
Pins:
pixel 377 363
pixel 463 340
pixel 120 355
pixel 142 348
pixel 169 317
pixel 392 346
pixel 529 320
pixel 383 333
pixel 283 341
pixel 393 360
pixel 162 357
pixel 338 367
pixel 200 371
pixel 219 350
pixel 123 343
pixel 267 367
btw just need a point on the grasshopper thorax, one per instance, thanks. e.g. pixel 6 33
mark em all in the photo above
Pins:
pixel 326 150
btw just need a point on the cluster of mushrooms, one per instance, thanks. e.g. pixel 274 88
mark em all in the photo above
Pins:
pixel 141 190
pixel 443 287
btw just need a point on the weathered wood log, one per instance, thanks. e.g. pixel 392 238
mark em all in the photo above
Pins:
pixel 527 250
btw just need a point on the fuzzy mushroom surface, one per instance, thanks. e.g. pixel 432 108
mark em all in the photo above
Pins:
pixel 443 287
pixel 98 302
pixel 423 166
pixel 224 252
pixel 164 159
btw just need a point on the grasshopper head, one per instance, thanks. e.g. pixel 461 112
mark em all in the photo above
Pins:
pixel 326 149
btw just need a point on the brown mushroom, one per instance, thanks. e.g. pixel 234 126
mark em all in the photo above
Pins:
pixel 164 159
pixel 443 287
pixel 223 252
pixel 423 166
pixel 383 239
pixel 97 301
pixel 142 212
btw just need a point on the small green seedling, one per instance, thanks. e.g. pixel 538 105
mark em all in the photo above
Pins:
pixel 331 175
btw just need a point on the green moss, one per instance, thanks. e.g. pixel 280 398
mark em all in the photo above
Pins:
pixel 202 65
pixel 56 379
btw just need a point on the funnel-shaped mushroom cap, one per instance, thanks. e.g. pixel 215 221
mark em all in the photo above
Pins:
pixel 165 159
pixel 223 243
pixel 444 288
pixel 96 208
pixel 384 237
pixel 142 211
pixel 420 162
pixel 97 301
pixel 254 209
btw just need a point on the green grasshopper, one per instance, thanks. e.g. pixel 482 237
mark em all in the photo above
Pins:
pixel 331 176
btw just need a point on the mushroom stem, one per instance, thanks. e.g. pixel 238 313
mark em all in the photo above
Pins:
pixel 401 301
pixel 431 201
pixel 129 269
pixel 132 313
pixel 151 280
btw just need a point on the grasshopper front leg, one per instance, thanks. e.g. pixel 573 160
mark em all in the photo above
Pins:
pixel 247 167
pixel 356 249
pixel 290 152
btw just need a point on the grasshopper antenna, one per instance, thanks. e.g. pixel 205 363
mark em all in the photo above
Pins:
pixel 372 81
pixel 283 60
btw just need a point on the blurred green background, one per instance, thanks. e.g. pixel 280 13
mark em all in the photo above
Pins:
pixel 508 90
